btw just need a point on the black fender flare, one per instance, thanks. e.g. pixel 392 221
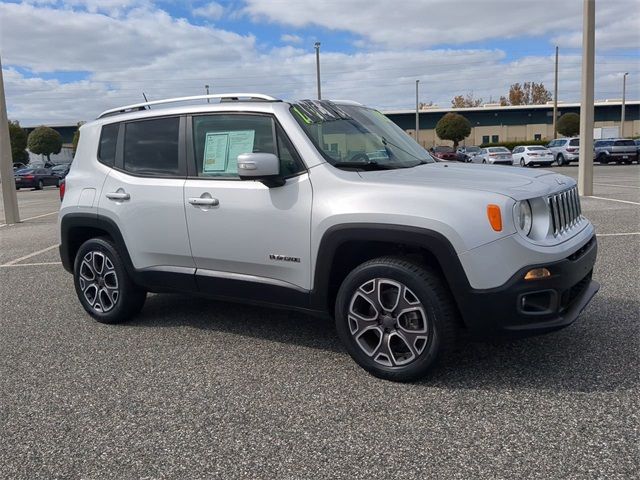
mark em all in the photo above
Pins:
pixel 433 242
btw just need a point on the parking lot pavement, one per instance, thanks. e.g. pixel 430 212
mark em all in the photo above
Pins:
pixel 200 389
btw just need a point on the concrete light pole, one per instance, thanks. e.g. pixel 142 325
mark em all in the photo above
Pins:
pixel 585 165
pixel 317 47
pixel 417 114
pixel 624 92
pixel 555 100
pixel 11 213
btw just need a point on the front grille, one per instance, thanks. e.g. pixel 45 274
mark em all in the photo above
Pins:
pixel 565 210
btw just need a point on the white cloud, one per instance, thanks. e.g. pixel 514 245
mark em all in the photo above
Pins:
pixel 145 50
pixel 211 10
pixel 291 38
pixel 424 23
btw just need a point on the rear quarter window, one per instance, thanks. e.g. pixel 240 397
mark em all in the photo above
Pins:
pixel 575 142
pixel 108 141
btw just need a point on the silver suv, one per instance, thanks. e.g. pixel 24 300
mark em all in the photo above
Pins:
pixel 324 207
pixel 565 150
pixel 619 150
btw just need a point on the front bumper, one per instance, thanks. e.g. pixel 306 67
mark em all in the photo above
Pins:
pixel 526 307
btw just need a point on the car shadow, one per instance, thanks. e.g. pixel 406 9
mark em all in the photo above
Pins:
pixel 599 353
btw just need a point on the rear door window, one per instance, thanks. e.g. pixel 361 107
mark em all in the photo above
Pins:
pixel 575 142
pixel 151 147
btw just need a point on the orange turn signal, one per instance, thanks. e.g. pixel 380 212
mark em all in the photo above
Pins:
pixel 537 274
pixel 495 217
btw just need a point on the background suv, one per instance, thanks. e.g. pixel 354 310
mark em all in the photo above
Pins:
pixel 619 150
pixel 328 208
pixel 565 150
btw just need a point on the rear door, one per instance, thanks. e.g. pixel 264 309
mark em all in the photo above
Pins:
pixel 143 193
pixel 248 232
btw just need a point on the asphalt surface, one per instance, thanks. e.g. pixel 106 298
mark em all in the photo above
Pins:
pixel 200 389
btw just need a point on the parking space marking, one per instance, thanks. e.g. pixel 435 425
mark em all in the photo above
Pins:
pixel 614 185
pixel 32 218
pixel 17 260
pixel 613 200
pixel 616 234
pixel 38 264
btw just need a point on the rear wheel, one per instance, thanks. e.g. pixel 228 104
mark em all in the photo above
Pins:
pixel 560 160
pixel 395 318
pixel 103 285
pixel 484 161
pixel 603 159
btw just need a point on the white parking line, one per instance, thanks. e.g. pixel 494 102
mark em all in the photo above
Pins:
pixel 616 234
pixel 38 264
pixel 614 185
pixel 32 218
pixel 613 200
pixel 17 260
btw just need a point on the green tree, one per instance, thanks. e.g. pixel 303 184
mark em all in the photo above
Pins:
pixel 18 140
pixel 569 124
pixel 76 138
pixel 44 141
pixel 453 126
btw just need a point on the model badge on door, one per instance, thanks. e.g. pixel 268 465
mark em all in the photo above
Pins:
pixel 283 258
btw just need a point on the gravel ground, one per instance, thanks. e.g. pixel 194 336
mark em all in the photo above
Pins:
pixel 200 389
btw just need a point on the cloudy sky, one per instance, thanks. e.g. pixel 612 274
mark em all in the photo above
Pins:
pixel 67 60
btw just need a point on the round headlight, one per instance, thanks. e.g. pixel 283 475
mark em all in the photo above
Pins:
pixel 524 216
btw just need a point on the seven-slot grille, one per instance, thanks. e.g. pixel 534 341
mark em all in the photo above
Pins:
pixel 565 210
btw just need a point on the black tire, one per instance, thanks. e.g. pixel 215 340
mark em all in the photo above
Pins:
pixel 560 160
pixel 40 185
pixel 603 159
pixel 129 299
pixel 438 312
pixel 484 161
pixel 523 163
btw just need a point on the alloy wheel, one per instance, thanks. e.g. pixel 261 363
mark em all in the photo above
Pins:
pixel 388 322
pixel 99 281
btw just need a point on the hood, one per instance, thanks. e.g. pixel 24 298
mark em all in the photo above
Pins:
pixel 515 182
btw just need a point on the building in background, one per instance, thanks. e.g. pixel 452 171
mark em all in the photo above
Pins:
pixel 65 155
pixel 492 123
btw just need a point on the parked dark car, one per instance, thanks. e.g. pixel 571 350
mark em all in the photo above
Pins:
pixel 619 150
pixel 61 170
pixel 444 153
pixel 37 178
pixel 18 166
pixel 469 152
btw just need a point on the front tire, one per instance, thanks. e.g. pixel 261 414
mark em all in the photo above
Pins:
pixel 103 285
pixel 40 185
pixel 395 318
pixel 523 163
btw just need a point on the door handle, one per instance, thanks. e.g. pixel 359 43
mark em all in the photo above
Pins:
pixel 204 201
pixel 118 196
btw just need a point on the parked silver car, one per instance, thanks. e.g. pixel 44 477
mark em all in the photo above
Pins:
pixel 615 150
pixel 565 150
pixel 495 155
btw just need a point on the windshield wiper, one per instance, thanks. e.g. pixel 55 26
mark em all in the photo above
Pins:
pixel 421 160
pixel 370 165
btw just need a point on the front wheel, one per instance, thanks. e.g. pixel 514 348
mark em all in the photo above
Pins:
pixel 103 285
pixel 395 318
pixel 40 185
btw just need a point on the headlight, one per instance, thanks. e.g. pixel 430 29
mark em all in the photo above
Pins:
pixel 524 217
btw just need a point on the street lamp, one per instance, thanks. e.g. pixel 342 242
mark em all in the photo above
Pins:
pixel 417 114
pixel 317 47
pixel 624 91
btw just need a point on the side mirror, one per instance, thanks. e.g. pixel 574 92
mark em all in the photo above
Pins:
pixel 264 167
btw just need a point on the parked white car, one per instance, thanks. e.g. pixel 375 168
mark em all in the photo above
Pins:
pixel 495 155
pixel 530 155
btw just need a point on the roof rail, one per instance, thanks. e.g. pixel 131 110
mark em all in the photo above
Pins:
pixel 222 97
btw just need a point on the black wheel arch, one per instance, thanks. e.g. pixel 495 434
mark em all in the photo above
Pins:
pixel 345 246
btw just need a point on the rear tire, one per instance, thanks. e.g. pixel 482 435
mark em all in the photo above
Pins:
pixel 40 185
pixel 560 160
pixel 523 163
pixel 103 285
pixel 395 318
pixel 603 159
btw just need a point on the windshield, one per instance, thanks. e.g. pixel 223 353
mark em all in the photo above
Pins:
pixel 472 149
pixel 353 136
pixel 25 171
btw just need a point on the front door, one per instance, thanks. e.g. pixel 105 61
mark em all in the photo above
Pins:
pixel 242 232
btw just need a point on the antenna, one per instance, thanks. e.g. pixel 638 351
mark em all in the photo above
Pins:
pixel 146 101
